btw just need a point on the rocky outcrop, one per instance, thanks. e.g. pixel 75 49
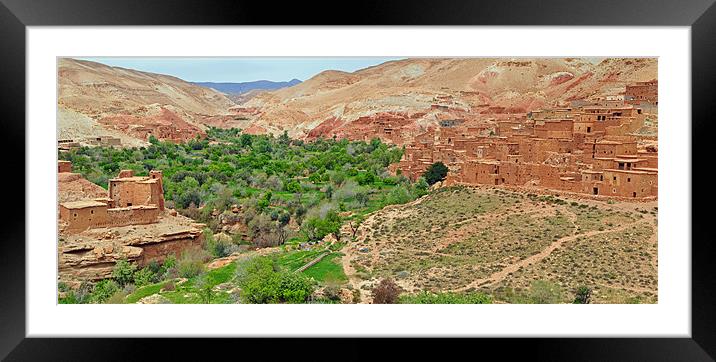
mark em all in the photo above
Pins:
pixel 92 254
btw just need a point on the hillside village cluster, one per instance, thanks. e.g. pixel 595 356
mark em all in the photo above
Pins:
pixel 591 149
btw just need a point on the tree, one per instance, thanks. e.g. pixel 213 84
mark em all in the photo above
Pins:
pixel 362 198
pixel 355 225
pixel 204 289
pixel 386 292
pixel 261 281
pixel 315 228
pixel 153 140
pixel 293 186
pixel 123 272
pixel 436 172
pixel 284 139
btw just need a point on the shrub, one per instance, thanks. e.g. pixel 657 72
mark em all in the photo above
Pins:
pixel 583 295
pixel 261 281
pixel 168 287
pixel 436 172
pixel 332 292
pixel 191 263
pixel 144 276
pixel 123 272
pixel 117 297
pixel 446 298
pixel 218 247
pixel 103 290
pixel 386 292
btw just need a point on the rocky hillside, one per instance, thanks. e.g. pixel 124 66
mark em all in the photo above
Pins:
pixel 405 95
pixel 110 95
pixel 436 89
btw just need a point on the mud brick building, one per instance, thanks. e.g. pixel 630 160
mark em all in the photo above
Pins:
pixel 131 200
pixel 591 149
pixel 642 93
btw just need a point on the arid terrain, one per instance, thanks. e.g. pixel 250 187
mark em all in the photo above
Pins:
pixel 419 92
pixel 487 239
pixel 423 180
pixel 95 100
pixel 465 87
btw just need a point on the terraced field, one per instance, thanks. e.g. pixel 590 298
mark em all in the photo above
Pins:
pixel 465 239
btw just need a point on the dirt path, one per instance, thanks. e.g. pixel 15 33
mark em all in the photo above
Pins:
pixel 502 274
pixel 464 228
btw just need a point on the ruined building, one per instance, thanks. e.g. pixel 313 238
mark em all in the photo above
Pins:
pixel 131 200
pixel 128 222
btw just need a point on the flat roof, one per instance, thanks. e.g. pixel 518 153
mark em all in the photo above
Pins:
pixel 145 179
pixel 134 207
pixel 648 169
pixel 637 172
pixel 82 204
pixel 629 159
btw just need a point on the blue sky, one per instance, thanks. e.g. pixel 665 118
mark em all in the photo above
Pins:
pixel 244 69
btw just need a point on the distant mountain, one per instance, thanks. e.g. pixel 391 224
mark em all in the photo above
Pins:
pixel 239 88
pixel 96 100
pixel 426 91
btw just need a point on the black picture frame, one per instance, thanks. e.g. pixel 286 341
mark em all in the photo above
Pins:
pixel 16 15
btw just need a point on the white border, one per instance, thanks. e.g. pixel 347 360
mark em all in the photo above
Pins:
pixel 670 317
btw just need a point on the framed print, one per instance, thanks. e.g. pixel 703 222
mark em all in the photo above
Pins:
pixel 489 170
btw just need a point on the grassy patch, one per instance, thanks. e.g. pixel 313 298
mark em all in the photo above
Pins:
pixel 329 268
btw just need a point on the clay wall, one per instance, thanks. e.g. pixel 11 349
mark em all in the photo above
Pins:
pixel 642 92
pixel 132 216
pixel 554 129
pixel 64 166
pixel 630 183
pixel 127 193
pixel 79 219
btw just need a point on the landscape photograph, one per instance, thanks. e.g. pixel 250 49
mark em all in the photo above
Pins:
pixel 357 180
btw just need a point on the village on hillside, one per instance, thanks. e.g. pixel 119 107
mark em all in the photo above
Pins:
pixel 497 191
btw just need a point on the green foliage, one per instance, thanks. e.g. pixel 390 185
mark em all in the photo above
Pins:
pixel 293 186
pixel 218 248
pixel 143 277
pixel 328 269
pixel 545 292
pixel 583 295
pixel 316 228
pixel 103 290
pixel 436 172
pixel 261 282
pixel 445 298
pixel 123 272
pixel 204 289
pixel 265 175
pixel 191 263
